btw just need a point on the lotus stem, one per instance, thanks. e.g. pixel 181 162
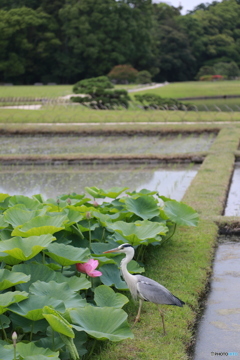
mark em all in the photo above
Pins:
pixel 78 231
pixel 174 229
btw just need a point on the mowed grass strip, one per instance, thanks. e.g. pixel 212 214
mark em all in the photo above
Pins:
pixel 183 265
pixel 78 114
pixel 196 88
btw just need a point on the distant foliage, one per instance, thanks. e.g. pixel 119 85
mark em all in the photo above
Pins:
pixel 156 102
pixel 123 74
pixel 98 94
pixel 219 71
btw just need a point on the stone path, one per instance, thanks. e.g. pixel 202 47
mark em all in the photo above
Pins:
pixel 219 329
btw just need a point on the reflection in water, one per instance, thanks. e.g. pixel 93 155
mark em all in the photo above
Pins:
pixel 233 202
pixel 134 144
pixel 169 180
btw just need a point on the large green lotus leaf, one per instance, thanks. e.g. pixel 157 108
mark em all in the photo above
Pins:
pixel 105 296
pixel 140 231
pixel 181 213
pixel 33 352
pixel 10 260
pixel 73 215
pixel 134 267
pixel 6 352
pixel 19 214
pixel 102 323
pixel 11 297
pixel 4 321
pixel 3 197
pixel 3 223
pixel 144 206
pixel 60 291
pixel 41 225
pixel 11 278
pixel 37 271
pixel 43 273
pixel 27 325
pixel 32 307
pixel 111 276
pixel 31 204
pixel 112 193
pixel 25 248
pixel 105 218
pixel 75 283
pixel 57 322
pixel 67 255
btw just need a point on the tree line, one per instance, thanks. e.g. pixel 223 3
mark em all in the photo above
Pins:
pixel 64 41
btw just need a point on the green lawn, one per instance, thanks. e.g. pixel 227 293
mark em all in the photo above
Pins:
pixel 197 88
pixel 35 91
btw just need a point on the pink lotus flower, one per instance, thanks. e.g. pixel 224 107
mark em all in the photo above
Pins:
pixel 89 268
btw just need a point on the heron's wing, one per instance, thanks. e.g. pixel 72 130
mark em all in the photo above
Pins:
pixel 152 291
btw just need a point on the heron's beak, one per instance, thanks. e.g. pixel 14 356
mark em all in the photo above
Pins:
pixel 110 251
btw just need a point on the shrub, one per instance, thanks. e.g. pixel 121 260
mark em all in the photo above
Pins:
pixel 123 74
pixel 98 94
pixel 153 101
pixel 144 77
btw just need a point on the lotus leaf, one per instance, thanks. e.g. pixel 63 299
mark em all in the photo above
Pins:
pixel 32 308
pixel 59 291
pixel 25 248
pixel 112 193
pixel 31 204
pixel 73 215
pixel 10 278
pixel 10 260
pixel 27 325
pixel 3 223
pixel 67 255
pixel 140 232
pixel 11 297
pixel 144 206
pixel 30 350
pixel 3 197
pixel 43 273
pixel 105 296
pixel 181 213
pixel 41 225
pixel 58 322
pixel 6 351
pixel 111 276
pixel 102 323
pixel 18 214
pixel 4 321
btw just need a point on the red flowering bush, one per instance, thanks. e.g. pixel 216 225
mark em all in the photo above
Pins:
pixel 123 74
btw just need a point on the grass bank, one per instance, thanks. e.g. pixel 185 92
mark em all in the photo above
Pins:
pixel 78 114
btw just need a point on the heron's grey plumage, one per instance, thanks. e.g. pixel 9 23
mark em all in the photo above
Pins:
pixel 143 287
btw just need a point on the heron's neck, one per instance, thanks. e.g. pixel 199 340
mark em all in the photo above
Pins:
pixel 124 270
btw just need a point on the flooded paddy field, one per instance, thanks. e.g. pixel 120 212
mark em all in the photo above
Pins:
pixel 233 202
pixel 52 180
pixel 101 144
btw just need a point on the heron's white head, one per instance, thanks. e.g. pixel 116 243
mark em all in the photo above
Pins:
pixel 124 248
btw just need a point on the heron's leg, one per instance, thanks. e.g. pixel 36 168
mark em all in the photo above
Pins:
pixel 139 311
pixel 163 322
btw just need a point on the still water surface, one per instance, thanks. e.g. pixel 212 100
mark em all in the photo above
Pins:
pixel 169 180
pixel 127 144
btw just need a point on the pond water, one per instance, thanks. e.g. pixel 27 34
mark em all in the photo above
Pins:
pixel 218 333
pixel 126 144
pixel 169 180
pixel 233 202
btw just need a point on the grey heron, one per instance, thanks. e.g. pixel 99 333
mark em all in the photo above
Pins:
pixel 142 287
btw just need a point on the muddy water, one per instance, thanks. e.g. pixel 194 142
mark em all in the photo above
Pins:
pixel 51 181
pixel 233 202
pixel 134 144
pixel 219 329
